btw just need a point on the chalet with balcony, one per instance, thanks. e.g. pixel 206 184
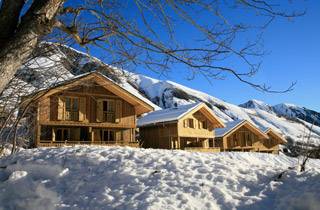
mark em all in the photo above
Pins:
pixel 242 135
pixel 88 109
pixel 186 127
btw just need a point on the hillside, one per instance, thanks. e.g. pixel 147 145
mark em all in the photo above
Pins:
pixel 127 178
pixel 55 63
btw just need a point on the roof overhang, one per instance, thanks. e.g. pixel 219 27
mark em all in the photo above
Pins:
pixel 272 132
pixel 250 126
pixel 210 115
pixel 201 107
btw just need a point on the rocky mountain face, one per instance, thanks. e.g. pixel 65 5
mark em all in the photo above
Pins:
pixel 289 111
pixel 54 63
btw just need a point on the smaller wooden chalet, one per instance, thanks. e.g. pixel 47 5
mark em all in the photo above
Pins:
pixel 87 109
pixel 240 135
pixel 271 145
pixel 186 127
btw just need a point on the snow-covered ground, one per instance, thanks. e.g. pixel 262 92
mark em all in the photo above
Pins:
pixel 128 178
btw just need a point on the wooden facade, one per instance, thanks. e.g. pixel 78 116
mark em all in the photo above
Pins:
pixel 88 110
pixel 193 131
pixel 271 144
pixel 247 137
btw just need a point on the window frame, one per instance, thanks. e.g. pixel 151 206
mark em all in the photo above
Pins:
pixel 70 113
pixel 191 122
pixel 108 112
pixel 204 124
pixel 63 130
pixel 109 134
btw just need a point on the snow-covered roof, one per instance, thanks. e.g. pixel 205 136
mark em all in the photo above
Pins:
pixel 265 130
pixel 126 86
pixel 220 132
pixel 232 126
pixel 167 115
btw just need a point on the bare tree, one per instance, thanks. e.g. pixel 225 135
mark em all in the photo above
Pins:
pixel 145 37
pixel 308 150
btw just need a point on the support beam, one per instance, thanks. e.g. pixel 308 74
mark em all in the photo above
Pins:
pixel 53 134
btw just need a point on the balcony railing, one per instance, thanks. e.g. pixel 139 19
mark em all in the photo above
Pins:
pixel 203 149
pixel 48 143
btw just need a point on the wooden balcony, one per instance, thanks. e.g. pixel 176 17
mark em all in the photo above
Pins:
pixel 47 143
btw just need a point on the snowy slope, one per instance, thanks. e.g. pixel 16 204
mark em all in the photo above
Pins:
pixel 128 178
pixel 55 63
pixel 166 93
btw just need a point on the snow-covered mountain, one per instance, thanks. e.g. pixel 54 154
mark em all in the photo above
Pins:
pixel 256 104
pixel 286 110
pixel 54 63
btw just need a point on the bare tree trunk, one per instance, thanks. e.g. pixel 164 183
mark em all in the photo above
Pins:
pixel 9 18
pixel 37 22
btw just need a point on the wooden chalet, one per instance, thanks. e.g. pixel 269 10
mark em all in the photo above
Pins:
pixel 271 145
pixel 187 127
pixel 241 135
pixel 88 109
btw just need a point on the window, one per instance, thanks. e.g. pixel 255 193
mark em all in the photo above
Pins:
pixel 108 136
pixel 62 134
pixel 72 109
pixel 185 123
pixel 205 124
pixel 200 125
pixel 109 111
pixel 190 123
pixel 249 140
pixel 271 142
pixel 235 140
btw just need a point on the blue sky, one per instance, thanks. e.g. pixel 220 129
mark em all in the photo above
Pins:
pixel 294 55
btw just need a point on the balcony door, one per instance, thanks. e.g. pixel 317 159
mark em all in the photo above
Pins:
pixel 62 134
pixel 108 136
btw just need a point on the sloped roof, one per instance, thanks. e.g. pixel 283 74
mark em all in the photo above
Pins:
pixel 220 132
pixel 274 133
pixel 130 92
pixel 232 126
pixel 264 129
pixel 172 114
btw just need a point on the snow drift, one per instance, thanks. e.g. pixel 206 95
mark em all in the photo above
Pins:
pixel 128 178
